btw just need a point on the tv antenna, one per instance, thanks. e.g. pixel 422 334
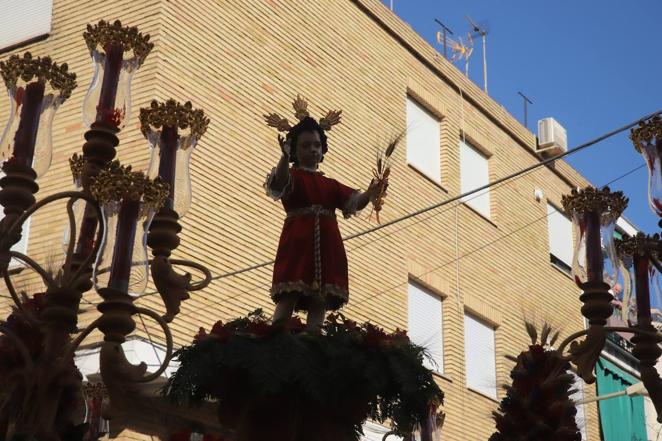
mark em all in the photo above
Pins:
pixel 442 36
pixel 481 31
pixel 526 108
pixel 461 50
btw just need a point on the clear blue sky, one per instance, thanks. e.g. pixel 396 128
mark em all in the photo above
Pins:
pixel 593 65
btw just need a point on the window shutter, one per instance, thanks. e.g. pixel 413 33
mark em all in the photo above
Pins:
pixel 425 326
pixel 560 235
pixel 474 173
pixel 423 137
pixel 480 356
pixel 23 20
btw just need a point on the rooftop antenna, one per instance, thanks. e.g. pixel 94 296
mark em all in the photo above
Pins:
pixel 481 31
pixel 461 50
pixel 442 35
pixel 526 102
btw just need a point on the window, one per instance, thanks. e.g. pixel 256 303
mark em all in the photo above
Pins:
pixel 580 416
pixel 560 238
pixel 423 137
pixel 425 327
pixel 23 20
pixel 474 173
pixel 480 356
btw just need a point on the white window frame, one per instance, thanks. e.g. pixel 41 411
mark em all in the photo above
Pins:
pixel 480 370
pixel 423 140
pixel 555 225
pixel 475 173
pixel 24 20
pixel 430 338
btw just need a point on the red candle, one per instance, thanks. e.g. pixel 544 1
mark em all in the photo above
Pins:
pixel 26 134
pixel 125 236
pixel 594 259
pixel 88 229
pixel 168 161
pixel 111 77
pixel 642 289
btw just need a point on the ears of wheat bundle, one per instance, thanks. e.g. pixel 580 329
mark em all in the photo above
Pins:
pixel 380 174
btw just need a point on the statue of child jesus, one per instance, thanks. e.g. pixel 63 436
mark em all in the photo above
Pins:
pixel 310 271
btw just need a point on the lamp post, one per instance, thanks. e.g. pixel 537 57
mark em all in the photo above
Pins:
pixel 110 219
pixel 596 268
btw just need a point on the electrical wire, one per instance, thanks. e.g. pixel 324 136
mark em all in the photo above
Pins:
pixel 493 184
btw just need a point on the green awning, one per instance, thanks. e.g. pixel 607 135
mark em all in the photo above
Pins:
pixel 621 418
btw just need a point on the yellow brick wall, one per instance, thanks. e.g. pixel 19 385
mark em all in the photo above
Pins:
pixel 239 59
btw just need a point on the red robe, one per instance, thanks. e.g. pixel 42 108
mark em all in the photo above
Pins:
pixel 306 266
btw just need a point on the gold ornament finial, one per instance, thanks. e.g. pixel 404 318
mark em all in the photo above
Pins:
pixel 603 201
pixel 331 118
pixel 118 182
pixel 174 114
pixel 104 33
pixel 639 245
pixel 76 163
pixel 647 132
pixel 300 106
pixel 42 68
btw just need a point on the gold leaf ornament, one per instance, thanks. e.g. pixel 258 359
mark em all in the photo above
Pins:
pixel 42 69
pixel 118 182
pixel 331 118
pixel 174 114
pixel 104 33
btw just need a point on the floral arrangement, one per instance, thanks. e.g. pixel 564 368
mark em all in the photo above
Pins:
pixel 330 381
pixel 29 335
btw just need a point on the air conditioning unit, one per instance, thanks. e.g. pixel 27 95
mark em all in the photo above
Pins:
pixel 552 137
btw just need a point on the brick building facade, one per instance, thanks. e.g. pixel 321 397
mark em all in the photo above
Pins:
pixel 487 266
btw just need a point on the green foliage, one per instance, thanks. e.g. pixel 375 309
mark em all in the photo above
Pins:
pixel 347 370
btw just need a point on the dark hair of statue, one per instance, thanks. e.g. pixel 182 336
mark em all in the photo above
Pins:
pixel 307 124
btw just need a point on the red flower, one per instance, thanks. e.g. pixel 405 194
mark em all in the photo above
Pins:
pixel 218 326
pixel 374 336
pixel 350 325
pixel 295 324
pixel 200 335
pixel 259 329
pixel 333 318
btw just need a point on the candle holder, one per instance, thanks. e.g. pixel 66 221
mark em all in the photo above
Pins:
pixel 171 154
pixel 108 100
pixel 41 386
pixel 128 200
pixel 647 139
pixel 37 87
pixel 594 213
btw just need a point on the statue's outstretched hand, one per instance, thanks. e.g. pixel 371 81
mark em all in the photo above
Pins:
pixel 284 145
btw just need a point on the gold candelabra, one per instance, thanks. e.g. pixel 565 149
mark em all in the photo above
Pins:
pixel 114 214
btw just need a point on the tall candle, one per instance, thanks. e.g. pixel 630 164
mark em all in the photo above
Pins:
pixel 594 259
pixel 111 77
pixel 642 290
pixel 168 161
pixel 88 228
pixel 26 134
pixel 125 236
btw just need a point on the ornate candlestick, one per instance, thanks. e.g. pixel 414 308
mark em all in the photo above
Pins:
pixel 594 214
pixel 37 87
pixel 171 154
pixel 108 100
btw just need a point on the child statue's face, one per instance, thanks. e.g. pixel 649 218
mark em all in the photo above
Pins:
pixel 309 149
